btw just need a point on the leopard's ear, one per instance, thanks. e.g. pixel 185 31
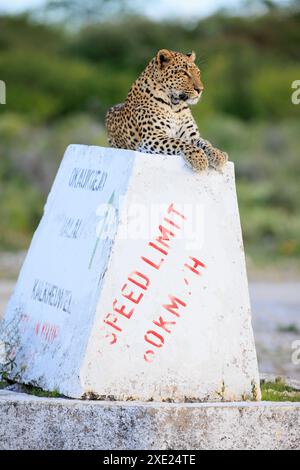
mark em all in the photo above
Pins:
pixel 163 57
pixel 192 56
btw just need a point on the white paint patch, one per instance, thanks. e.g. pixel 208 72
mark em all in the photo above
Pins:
pixel 159 311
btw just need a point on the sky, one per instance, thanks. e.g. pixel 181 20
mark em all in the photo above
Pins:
pixel 156 9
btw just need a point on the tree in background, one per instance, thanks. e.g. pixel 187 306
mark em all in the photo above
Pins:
pixel 60 84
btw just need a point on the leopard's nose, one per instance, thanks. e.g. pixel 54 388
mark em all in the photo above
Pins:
pixel 198 88
pixel 183 96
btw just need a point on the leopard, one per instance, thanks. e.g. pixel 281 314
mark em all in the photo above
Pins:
pixel 156 117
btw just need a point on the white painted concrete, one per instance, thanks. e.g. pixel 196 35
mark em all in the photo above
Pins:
pixel 94 313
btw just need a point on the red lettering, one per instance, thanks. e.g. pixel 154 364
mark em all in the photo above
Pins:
pixel 162 324
pixel 174 305
pixel 162 245
pixel 159 337
pixel 111 335
pixel 44 328
pixel 169 221
pixel 149 356
pixel 52 333
pixel 46 331
pixel 164 252
pixel 113 338
pixel 139 284
pixel 196 264
pixel 165 235
pixel 112 322
pixel 131 297
pixel 122 311
pixel 171 209
pixel 155 266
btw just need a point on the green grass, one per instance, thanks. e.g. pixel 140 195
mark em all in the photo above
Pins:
pixel 279 392
pixel 291 328
pixel 31 390
pixel 3 384
pixel 38 392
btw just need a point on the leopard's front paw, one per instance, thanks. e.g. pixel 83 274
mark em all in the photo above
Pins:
pixel 196 158
pixel 217 159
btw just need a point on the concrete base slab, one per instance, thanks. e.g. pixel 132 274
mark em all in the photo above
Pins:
pixel 44 423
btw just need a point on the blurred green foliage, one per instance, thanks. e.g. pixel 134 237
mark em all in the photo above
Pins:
pixel 61 82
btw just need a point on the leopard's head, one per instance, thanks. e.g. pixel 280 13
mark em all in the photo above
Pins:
pixel 179 76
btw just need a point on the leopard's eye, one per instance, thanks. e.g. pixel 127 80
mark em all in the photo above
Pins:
pixel 185 72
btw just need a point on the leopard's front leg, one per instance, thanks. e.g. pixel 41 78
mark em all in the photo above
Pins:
pixel 161 143
pixel 217 159
pixel 190 133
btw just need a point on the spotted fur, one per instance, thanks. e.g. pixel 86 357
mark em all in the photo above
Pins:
pixel 156 118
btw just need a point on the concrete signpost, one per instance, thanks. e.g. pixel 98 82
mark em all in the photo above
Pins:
pixel 135 287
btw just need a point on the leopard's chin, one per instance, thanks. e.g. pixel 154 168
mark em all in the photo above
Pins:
pixel 195 99
pixel 192 101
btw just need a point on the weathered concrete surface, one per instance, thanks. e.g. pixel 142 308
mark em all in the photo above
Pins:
pixel 135 284
pixel 271 324
pixel 42 423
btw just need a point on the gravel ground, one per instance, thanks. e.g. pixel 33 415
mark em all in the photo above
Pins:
pixel 275 309
pixel 6 289
pixel 276 323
